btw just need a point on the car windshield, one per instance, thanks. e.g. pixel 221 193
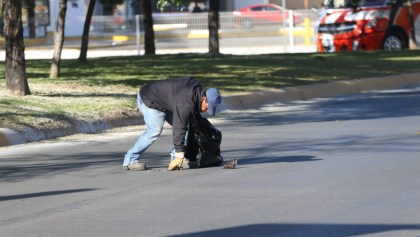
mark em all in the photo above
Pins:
pixel 347 4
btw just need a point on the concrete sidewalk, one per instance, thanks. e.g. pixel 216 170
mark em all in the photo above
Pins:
pixel 70 52
pixel 236 102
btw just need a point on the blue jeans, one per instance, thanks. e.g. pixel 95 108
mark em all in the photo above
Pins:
pixel 154 120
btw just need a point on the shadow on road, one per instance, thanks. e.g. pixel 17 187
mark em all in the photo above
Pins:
pixel 48 165
pixel 305 230
pixel 263 160
pixel 43 194
pixel 374 105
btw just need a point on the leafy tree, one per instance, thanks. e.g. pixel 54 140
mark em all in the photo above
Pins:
pixel 59 39
pixel 16 77
pixel 85 36
pixel 161 4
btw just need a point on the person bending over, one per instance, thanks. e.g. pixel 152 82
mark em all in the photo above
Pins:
pixel 176 101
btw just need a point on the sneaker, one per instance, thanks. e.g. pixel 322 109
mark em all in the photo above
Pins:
pixel 176 164
pixel 135 166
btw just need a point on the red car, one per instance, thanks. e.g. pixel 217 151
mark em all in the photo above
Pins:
pixel 265 14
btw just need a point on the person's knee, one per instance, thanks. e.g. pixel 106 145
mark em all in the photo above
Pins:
pixel 154 133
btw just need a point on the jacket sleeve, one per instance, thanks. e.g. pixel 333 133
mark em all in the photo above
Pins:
pixel 180 128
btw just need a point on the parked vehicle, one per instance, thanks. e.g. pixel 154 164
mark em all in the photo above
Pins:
pixel 367 26
pixel 265 14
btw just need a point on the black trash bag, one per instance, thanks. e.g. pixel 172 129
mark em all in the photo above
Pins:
pixel 203 146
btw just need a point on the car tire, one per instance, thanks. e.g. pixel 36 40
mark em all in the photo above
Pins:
pixel 395 40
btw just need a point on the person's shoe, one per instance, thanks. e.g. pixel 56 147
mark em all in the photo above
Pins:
pixel 176 164
pixel 135 166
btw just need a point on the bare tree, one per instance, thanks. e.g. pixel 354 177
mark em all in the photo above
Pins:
pixel 2 18
pixel 16 77
pixel 149 34
pixel 30 6
pixel 214 27
pixel 213 20
pixel 394 34
pixel 393 13
pixel 411 21
pixel 59 39
pixel 85 36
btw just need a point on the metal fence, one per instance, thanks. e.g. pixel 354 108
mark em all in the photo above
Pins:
pixel 189 31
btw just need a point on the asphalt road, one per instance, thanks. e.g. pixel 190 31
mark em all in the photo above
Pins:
pixel 348 166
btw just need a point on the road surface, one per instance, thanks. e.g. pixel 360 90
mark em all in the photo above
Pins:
pixel 347 166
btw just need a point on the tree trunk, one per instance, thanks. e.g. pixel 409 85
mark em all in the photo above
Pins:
pixel 2 18
pixel 16 77
pixel 32 25
pixel 59 39
pixel 85 36
pixel 394 9
pixel 149 34
pixel 413 40
pixel 214 27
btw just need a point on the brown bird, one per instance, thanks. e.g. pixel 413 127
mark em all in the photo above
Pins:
pixel 231 164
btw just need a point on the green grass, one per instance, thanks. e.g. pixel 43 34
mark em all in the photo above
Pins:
pixel 106 87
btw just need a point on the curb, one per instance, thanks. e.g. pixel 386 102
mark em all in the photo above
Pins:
pixel 254 100
pixel 9 137
pixel 243 101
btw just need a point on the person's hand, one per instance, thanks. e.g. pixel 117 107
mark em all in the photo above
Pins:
pixel 179 155
pixel 176 164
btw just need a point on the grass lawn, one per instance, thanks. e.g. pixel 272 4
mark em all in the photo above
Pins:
pixel 106 87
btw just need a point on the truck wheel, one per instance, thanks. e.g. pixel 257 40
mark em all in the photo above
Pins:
pixel 395 40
